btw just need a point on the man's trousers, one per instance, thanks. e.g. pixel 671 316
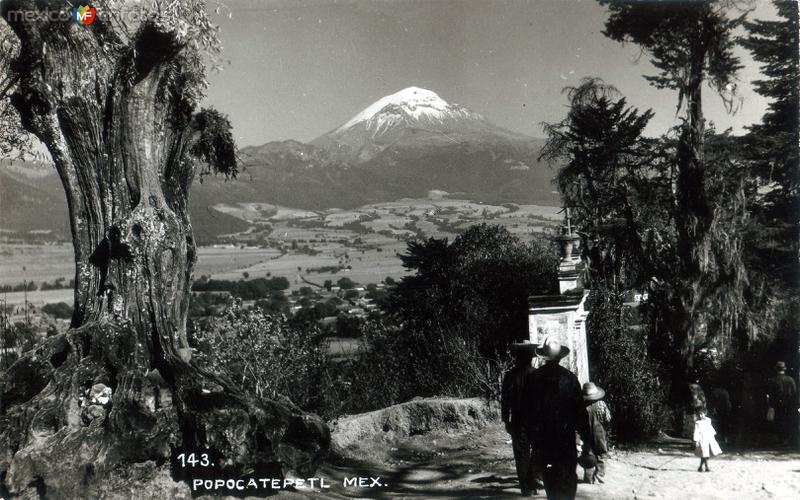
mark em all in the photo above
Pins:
pixel 524 460
pixel 560 480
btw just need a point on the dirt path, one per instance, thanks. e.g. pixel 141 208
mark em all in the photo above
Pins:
pixel 479 465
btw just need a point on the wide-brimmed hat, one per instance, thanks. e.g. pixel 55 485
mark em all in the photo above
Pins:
pixel 551 348
pixel 780 365
pixel 592 393
pixel 524 346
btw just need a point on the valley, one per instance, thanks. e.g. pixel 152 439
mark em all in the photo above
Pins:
pixel 301 245
pixel 310 230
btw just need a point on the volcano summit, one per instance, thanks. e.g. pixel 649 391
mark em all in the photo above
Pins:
pixel 413 117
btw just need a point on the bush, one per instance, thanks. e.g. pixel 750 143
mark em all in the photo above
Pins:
pixel 60 310
pixel 277 303
pixel 348 326
pixel 346 283
pixel 620 364
pixel 206 304
pixel 264 355
pixel 270 356
pixel 20 287
pixel 58 284
pixel 396 364
pixel 258 288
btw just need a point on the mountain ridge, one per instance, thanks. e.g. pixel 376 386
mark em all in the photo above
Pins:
pixel 443 147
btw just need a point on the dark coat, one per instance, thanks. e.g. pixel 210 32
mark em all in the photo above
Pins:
pixel 599 419
pixel 555 413
pixel 782 393
pixel 513 397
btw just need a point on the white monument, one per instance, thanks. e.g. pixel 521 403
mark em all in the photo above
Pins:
pixel 564 315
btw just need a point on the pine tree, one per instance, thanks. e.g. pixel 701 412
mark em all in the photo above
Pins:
pixel 690 44
pixel 773 143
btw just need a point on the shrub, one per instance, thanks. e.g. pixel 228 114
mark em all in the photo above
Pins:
pixel 58 284
pixel 620 364
pixel 247 290
pixel 277 303
pixel 396 364
pixel 264 355
pixel 20 287
pixel 60 310
pixel 346 283
pixel 206 304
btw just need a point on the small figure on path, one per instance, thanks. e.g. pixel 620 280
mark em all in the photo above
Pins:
pixel 556 414
pixel 599 419
pixel 705 444
pixel 513 405
pixel 782 401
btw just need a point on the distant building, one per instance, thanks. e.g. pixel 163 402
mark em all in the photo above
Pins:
pixel 633 298
pixel 328 321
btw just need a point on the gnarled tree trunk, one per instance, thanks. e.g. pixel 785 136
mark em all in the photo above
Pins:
pixel 115 110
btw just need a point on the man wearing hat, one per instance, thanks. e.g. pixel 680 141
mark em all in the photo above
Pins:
pixel 599 419
pixel 513 407
pixel 555 415
pixel 782 399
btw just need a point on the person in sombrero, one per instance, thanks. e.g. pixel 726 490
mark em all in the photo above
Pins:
pixel 599 420
pixel 513 404
pixel 556 414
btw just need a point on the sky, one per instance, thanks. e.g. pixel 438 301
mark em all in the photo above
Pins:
pixel 296 69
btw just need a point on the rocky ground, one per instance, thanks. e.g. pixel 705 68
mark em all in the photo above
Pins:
pixel 450 448
pixel 479 465
pixel 476 462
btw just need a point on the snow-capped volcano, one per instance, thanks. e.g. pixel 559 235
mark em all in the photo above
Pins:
pixel 408 107
pixel 413 117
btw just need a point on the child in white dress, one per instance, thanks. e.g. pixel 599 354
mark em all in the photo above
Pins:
pixel 705 444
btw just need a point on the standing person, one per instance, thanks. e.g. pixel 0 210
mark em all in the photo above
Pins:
pixel 556 414
pixel 705 445
pixel 599 419
pixel 782 400
pixel 513 405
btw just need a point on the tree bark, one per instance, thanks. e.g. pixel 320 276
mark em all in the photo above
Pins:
pixel 117 120
pixel 692 213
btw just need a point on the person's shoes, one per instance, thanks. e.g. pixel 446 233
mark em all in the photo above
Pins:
pixel 700 469
pixel 708 470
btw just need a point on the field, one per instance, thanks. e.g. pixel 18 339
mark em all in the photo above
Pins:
pixel 306 247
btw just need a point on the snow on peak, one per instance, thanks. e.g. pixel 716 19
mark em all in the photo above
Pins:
pixel 414 102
